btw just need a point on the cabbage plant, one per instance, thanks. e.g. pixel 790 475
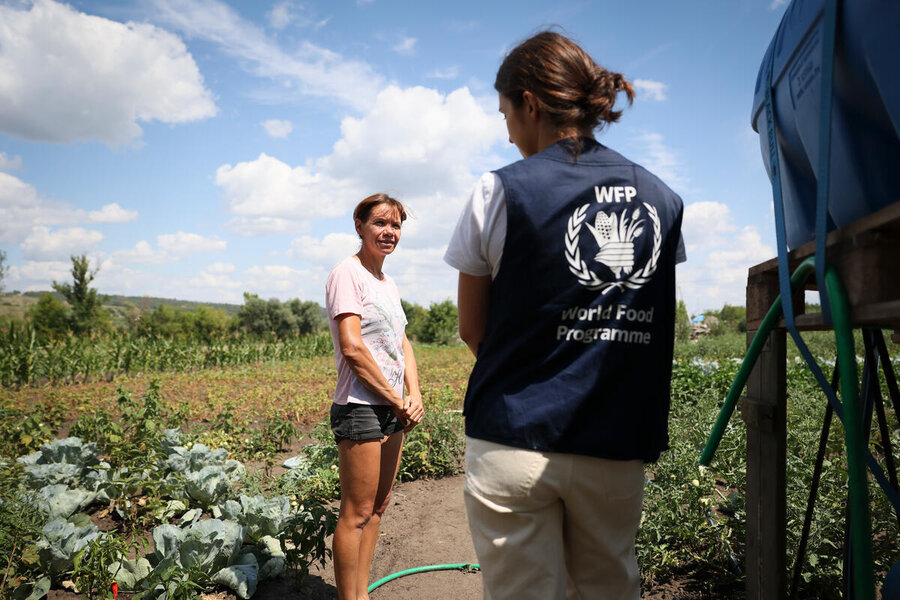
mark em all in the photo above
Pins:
pixel 211 549
pixel 60 543
pixel 262 516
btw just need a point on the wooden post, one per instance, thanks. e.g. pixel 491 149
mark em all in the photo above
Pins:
pixel 765 413
pixel 864 253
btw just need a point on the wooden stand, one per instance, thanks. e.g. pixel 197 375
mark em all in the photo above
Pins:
pixel 866 255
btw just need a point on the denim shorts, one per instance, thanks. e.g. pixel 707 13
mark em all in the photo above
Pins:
pixel 360 422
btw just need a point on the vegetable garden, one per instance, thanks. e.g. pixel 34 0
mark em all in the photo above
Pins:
pixel 188 476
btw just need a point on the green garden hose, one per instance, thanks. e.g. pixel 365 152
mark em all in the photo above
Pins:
pixel 860 522
pixel 464 567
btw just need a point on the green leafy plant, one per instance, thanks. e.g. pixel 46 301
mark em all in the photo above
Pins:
pixel 305 537
pixel 434 448
pixel 20 528
pixel 91 565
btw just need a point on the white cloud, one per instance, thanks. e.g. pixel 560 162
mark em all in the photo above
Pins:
pixel 220 268
pixel 277 128
pixel 112 213
pixel 776 4
pixel 269 195
pixel 181 244
pixel 38 275
pixel 448 73
pixel 263 225
pixel 22 209
pixel 43 244
pixel 215 282
pixel 142 254
pixel 654 90
pixel 704 224
pixel 316 71
pixel 405 46
pixel 326 252
pixel 291 13
pixel 284 282
pixel 719 254
pixel 280 16
pixel 661 160
pixel 10 164
pixel 170 247
pixel 421 273
pixel 69 76
pixel 422 146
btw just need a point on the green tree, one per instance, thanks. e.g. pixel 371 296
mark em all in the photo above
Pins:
pixel 254 315
pixel 4 269
pixel 309 316
pixel 49 316
pixel 163 321
pixel 87 312
pixel 682 323
pixel 415 319
pixel 731 319
pixel 208 323
pixel 282 320
pixel 442 324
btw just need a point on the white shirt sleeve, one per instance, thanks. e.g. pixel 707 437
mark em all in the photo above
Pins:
pixel 476 246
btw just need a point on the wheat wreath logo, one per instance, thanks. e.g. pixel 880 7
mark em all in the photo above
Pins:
pixel 615 236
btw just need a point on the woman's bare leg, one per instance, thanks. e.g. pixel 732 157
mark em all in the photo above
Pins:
pixel 391 448
pixel 359 464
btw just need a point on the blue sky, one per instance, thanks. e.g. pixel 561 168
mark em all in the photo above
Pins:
pixel 198 149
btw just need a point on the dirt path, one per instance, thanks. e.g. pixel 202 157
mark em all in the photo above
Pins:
pixel 425 525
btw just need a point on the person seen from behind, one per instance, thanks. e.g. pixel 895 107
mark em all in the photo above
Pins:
pixel 566 265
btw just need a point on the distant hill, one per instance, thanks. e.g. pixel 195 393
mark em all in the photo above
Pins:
pixel 16 303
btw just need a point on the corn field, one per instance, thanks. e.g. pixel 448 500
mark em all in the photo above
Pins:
pixel 26 359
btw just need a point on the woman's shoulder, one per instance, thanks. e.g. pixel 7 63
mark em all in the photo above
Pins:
pixel 346 268
pixel 349 263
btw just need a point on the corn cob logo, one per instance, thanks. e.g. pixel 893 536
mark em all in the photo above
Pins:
pixel 615 235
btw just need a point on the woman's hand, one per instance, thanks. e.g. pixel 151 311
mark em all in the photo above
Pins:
pixel 414 411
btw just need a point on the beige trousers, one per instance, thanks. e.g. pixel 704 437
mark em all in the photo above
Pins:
pixel 551 526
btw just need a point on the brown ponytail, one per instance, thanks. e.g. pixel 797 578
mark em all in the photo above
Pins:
pixel 576 93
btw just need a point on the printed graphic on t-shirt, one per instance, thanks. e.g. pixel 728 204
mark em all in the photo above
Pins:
pixel 615 232
pixel 381 322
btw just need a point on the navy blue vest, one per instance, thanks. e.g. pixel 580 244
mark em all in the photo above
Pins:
pixel 577 353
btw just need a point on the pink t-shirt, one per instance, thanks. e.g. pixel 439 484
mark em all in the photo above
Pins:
pixel 352 289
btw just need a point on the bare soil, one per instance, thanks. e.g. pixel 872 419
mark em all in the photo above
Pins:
pixel 426 525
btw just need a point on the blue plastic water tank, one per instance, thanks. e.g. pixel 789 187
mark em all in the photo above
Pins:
pixel 865 120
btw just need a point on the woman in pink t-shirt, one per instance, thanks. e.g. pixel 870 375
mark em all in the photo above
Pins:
pixel 374 360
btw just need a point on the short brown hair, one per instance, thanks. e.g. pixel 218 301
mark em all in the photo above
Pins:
pixel 573 89
pixel 364 208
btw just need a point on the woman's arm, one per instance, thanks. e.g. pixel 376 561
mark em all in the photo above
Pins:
pixel 415 409
pixel 363 364
pixel 474 300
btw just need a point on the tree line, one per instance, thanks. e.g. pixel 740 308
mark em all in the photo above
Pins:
pixel 76 308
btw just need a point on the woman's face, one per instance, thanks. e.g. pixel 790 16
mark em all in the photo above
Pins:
pixel 522 130
pixel 381 230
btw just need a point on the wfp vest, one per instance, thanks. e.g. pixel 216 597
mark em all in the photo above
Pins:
pixel 577 351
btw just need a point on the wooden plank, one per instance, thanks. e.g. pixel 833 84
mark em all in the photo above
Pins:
pixel 762 290
pixel 864 254
pixel 764 411
pixel 885 315
pixel 886 219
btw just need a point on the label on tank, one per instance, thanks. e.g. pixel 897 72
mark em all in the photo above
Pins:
pixel 806 68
